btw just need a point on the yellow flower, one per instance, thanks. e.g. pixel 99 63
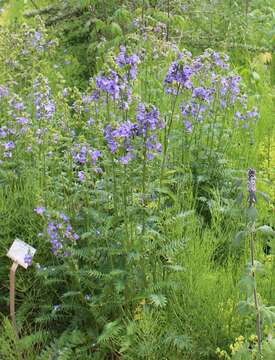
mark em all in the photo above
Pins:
pixel 253 338
pixel 139 310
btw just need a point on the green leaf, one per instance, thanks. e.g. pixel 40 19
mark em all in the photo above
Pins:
pixel 269 350
pixel 238 239
pixel 256 76
pixel 168 192
pixel 264 196
pixel 158 300
pixel 110 332
pixel 268 314
pixel 175 267
pixel 239 197
pixel 266 230
pixel 247 284
pixel 99 24
pixel 251 213
pixel 179 22
pixel 246 308
pixel 71 294
pixel 258 267
pixel 122 16
pixel 86 235
pixel 115 29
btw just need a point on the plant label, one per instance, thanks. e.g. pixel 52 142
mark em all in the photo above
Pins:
pixel 21 253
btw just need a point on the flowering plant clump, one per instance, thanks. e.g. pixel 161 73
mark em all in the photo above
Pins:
pixel 14 126
pixel 209 89
pixel 128 138
pixel 115 83
pixel 44 105
pixel 85 158
pixel 149 122
pixel 128 63
pixel 58 232
pixel 35 40
pixel 120 140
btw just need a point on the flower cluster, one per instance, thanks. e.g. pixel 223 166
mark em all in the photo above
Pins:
pixel 116 83
pixel 16 124
pixel 28 259
pixel 178 77
pixel 130 62
pixel 186 73
pixel 115 87
pixel 246 117
pixel 35 41
pixel 120 139
pixel 85 157
pixel 149 122
pixel 208 86
pixel 4 92
pixel 44 105
pixel 128 137
pixel 58 231
pixel 192 110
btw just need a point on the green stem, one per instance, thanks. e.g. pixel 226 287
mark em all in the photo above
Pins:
pixel 114 185
pixel 125 204
pixel 256 303
pixel 166 136
pixel 144 174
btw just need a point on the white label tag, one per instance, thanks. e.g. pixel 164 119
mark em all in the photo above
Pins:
pixel 21 253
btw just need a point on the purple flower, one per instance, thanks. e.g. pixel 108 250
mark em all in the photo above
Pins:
pixel 28 259
pixel 193 109
pixel 109 84
pixel 125 130
pixel 37 35
pixel 124 60
pixel 109 137
pixel 40 210
pixel 253 113
pixel 7 154
pixel 64 217
pixel 188 126
pixel 4 92
pixel 121 58
pixel 125 159
pixel 90 122
pixel 9 145
pixel 60 234
pixel 179 75
pixel 84 154
pixel 201 94
pixel 22 120
pixel 3 132
pixel 81 176
pixel 45 106
pixel 148 119
pixel 95 154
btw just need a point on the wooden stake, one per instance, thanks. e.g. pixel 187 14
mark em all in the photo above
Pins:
pixel 12 295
